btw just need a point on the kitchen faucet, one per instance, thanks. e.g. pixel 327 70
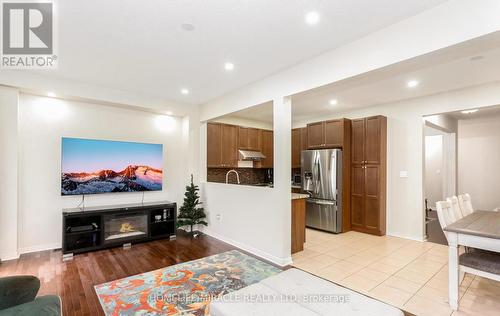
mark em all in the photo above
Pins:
pixel 237 175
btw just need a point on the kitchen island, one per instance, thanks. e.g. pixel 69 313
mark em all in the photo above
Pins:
pixel 298 221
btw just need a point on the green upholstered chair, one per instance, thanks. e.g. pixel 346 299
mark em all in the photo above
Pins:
pixel 18 297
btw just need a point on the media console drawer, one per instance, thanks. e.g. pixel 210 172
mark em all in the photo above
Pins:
pixel 94 228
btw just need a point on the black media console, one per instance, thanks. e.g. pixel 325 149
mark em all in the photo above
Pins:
pixel 94 228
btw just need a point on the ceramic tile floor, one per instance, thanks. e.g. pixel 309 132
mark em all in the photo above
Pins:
pixel 408 274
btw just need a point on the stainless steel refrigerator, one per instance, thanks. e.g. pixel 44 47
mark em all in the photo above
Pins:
pixel 322 179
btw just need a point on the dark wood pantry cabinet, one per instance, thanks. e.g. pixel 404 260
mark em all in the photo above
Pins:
pixel 368 174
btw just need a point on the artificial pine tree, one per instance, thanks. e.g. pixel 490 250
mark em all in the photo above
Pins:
pixel 189 213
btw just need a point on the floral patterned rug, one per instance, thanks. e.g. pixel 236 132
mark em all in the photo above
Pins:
pixel 182 289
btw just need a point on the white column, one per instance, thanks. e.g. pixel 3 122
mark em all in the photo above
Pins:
pixel 453 277
pixel 9 100
pixel 282 167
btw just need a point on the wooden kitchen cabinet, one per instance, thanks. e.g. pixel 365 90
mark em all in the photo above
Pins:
pixel 298 224
pixel 229 142
pixel 249 138
pixel 299 143
pixel 315 135
pixel 368 175
pixel 303 138
pixel 214 145
pixel 267 148
pixel 327 134
pixel 296 148
pixel 222 145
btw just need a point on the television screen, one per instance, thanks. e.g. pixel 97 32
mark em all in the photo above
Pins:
pixel 102 166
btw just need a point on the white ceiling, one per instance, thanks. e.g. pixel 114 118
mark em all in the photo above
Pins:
pixel 449 69
pixel 140 46
pixel 446 70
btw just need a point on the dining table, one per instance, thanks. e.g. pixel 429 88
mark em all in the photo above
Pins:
pixel 480 230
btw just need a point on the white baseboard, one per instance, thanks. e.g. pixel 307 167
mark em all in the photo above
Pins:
pixel 282 262
pixel 39 248
pixel 415 238
pixel 9 256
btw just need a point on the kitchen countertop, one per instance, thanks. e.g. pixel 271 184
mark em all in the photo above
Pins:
pixel 298 196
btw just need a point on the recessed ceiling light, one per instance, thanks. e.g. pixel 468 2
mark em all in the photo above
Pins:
pixel 229 66
pixel 470 111
pixel 184 91
pixel 333 102
pixel 51 94
pixel 187 27
pixel 312 18
pixel 412 83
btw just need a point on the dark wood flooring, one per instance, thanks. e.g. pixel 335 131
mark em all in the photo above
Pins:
pixel 74 280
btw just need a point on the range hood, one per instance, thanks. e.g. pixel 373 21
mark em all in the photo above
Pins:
pixel 251 155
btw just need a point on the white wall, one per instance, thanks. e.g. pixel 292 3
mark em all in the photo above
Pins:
pixel 244 122
pixel 256 219
pixel 8 173
pixel 433 171
pixel 42 123
pixel 478 160
pixel 405 208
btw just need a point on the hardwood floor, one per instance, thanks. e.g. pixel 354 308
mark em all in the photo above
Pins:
pixel 74 280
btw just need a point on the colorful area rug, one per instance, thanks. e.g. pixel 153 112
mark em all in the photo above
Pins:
pixel 183 289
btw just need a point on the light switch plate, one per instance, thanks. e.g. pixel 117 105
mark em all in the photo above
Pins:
pixel 403 174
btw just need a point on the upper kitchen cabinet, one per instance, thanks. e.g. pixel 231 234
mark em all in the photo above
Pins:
pixel 296 147
pixel 214 145
pixel 249 138
pixel 328 134
pixel 267 148
pixel 299 143
pixel 222 145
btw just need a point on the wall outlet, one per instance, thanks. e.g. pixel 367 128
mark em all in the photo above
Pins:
pixel 403 174
pixel 218 217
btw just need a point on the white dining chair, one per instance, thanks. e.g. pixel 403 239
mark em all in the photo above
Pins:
pixel 465 203
pixel 455 208
pixel 478 262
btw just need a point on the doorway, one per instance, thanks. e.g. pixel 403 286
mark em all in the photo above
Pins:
pixel 439 175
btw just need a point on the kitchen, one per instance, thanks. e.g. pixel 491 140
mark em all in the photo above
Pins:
pixel 337 175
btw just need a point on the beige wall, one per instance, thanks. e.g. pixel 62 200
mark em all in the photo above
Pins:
pixel 479 161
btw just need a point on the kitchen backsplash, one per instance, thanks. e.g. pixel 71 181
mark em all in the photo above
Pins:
pixel 247 175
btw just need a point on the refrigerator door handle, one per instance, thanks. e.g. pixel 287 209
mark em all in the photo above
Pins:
pixel 321 202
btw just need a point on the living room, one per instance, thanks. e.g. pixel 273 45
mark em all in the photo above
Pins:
pixel 127 116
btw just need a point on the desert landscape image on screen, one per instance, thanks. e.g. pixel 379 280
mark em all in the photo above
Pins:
pixel 100 166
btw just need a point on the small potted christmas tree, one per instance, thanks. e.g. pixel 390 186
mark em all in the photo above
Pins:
pixel 189 213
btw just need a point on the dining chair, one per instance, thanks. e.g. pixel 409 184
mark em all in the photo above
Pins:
pixel 455 208
pixel 478 262
pixel 445 215
pixel 465 203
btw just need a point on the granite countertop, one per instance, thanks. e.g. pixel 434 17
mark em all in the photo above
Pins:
pixel 298 196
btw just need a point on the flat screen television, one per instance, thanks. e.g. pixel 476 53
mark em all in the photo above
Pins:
pixel 102 166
